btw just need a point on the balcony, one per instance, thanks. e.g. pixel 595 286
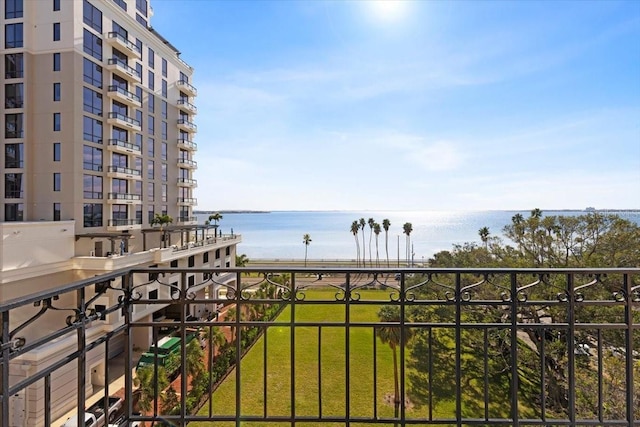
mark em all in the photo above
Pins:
pixel 187 126
pixel 124 224
pixel 120 42
pixel 122 69
pixel 126 198
pixel 185 105
pixel 478 347
pixel 187 220
pixel 123 121
pixel 185 87
pixel 187 182
pixel 187 201
pixel 186 163
pixel 124 173
pixel 187 144
pixel 124 96
pixel 124 147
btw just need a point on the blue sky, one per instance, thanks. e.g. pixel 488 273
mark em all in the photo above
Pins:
pixel 416 105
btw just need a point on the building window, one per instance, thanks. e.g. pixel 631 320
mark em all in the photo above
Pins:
pixel 14 95
pixel 92 73
pixel 57 154
pixel 92 130
pixel 151 103
pixel 92 16
pixel 141 20
pixel 92 215
pixel 119 212
pixel 205 257
pixel 164 88
pixel 139 140
pixel 217 253
pixel 56 5
pixel 163 111
pixel 152 58
pixel 151 83
pixel 151 147
pixel 92 101
pixel 139 213
pixel 56 62
pixel 151 124
pixel 117 28
pixel 227 251
pixel 165 131
pixel 163 152
pixel 139 117
pixel 150 192
pixel 153 294
pixel 13 126
pixel 13 9
pixel 56 31
pixel 121 3
pixel 164 192
pixel 13 66
pixel 139 46
pixel 191 261
pixel 92 187
pixel 56 92
pixel 56 181
pixel 56 211
pixel 13 36
pixel 164 67
pixel 163 167
pixel 14 155
pixel 13 186
pixel 13 212
pixel 92 44
pixel 139 71
pixel 91 158
pixel 150 213
pixel 141 6
pixel 57 122
pixel 150 166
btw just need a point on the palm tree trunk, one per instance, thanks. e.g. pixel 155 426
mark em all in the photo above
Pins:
pixel 386 245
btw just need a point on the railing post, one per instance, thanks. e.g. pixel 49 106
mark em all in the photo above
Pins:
pixel 629 353
pixel 127 280
pixel 292 336
pixel 571 343
pixel 82 355
pixel 4 373
pixel 514 350
pixel 458 344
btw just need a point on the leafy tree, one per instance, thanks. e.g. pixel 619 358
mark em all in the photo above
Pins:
pixel 306 239
pixel 242 260
pixel 407 229
pixel 355 227
pixel 386 224
pixel 147 385
pixel 376 231
pixel 162 220
pixel 170 401
pixel 392 335
pixel 195 365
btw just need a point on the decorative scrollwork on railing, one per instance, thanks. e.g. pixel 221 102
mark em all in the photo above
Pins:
pixel 410 292
pixel 521 293
pixel 578 295
pixel 635 293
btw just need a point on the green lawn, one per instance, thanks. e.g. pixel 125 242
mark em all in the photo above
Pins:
pixel 308 381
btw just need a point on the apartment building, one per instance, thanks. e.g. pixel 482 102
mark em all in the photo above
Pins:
pixel 98 138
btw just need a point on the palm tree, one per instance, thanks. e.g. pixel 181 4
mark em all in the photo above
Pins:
pixel 162 220
pixel 215 217
pixel 147 384
pixel 408 228
pixel 306 239
pixel 354 230
pixel 376 230
pixel 363 223
pixel 386 224
pixel 392 335
pixel 484 236
pixel 194 358
pixel 370 221
pixel 242 260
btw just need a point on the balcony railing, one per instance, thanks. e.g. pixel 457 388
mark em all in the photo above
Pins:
pixel 325 346
pixel 187 87
pixel 124 196
pixel 121 118
pixel 123 41
pixel 124 222
pixel 125 171
pixel 124 144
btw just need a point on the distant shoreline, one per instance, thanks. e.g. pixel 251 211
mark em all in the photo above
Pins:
pixel 229 212
pixel 249 211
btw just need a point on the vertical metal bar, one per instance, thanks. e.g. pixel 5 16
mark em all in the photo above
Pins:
pixel 320 371
pixel 403 341
pixel 429 383
pixel 600 376
pixel 82 356
pixel 629 350
pixel 265 353
pixel 183 347
pixel 571 341
pixel 47 401
pixel 4 383
pixel 292 338
pixel 486 373
pixel 458 343
pixel 514 350
pixel 127 281
pixel 375 373
pixel 347 371
pixel 238 347
pixel 543 376
pixel 105 397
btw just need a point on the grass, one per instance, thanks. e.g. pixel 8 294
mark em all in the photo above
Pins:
pixel 319 384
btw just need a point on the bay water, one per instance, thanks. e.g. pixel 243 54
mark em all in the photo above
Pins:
pixel 278 234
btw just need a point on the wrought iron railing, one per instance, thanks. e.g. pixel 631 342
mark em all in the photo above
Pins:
pixel 320 346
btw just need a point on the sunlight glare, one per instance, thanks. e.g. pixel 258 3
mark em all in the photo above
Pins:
pixel 388 11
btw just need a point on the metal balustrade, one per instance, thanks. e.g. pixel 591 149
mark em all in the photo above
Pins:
pixel 472 346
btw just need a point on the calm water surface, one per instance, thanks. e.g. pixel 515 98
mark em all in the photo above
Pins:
pixel 278 234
